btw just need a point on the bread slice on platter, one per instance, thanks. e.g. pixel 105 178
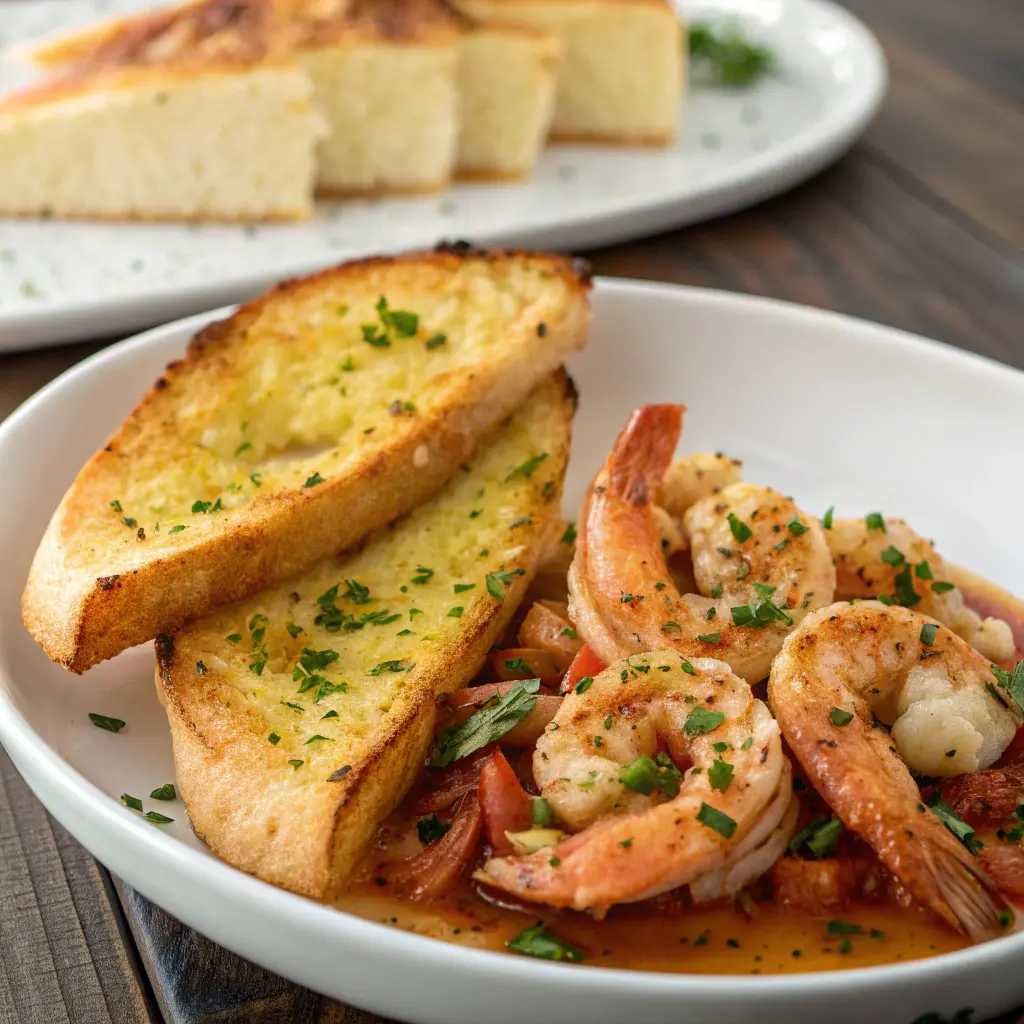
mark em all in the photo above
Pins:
pixel 385 78
pixel 192 113
pixel 621 75
pixel 289 431
pixel 507 78
pixel 300 716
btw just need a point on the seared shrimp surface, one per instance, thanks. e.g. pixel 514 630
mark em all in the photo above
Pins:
pixel 849 669
pixel 760 563
pixel 646 828
pixel 876 556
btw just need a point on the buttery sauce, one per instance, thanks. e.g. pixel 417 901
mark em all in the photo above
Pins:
pixel 719 940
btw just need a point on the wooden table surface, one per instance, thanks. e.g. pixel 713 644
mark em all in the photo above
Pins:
pixel 921 226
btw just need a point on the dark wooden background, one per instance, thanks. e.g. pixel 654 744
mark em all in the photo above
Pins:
pixel 921 226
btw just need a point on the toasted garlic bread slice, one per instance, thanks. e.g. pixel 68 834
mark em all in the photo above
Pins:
pixel 289 431
pixel 299 717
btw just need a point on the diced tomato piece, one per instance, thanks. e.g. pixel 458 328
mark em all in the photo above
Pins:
pixel 550 630
pixel 522 663
pixel 1014 752
pixel 586 663
pixel 443 787
pixel 506 805
pixel 986 798
pixel 1005 866
pixel 433 870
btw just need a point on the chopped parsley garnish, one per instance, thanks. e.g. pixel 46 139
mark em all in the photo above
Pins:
pixel 726 56
pixel 838 717
pixel 234 638
pixel 569 537
pixel 487 725
pixel 330 714
pixel 826 519
pixel 527 468
pixel 435 342
pixel 539 942
pixel 461 588
pixel 293 630
pixel 928 631
pixel 131 801
pixel 710 638
pixel 157 818
pixel 569 632
pixel 893 556
pixel 431 829
pixel 116 506
pixel 701 721
pixel 181 526
pixel 584 684
pixel 820 837
pixel 312 481
pixel 875 521
pixel 391 666
pixel 393 323
pixel 942 587
pixel 356 592
pixel 747 743
pixel 495 581
pixel 720 774
pixel 257 479
pixel 316 739
pixel 243 447
pixel 165 792
pixel 739 529
pixel 645 775
pixel 843 928
pixel 687 668
pixel 923 571
pixel 274 738
pixel 518 665
pixel 1012 681
pixel 201 506
pixel 456 612
pixel 905 593
pixel 541 814
pixel 296 763
pixel 106 722
pixel 716 820
pixel 422 575
pixel 795 527
pixel 672 627
pixel 948 817
pixel 717 592
pixel 761 611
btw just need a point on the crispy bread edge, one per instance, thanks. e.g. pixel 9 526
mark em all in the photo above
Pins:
pixel 82 622
pixel 376 784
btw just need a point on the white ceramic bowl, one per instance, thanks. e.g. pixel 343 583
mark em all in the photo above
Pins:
pixel 829 409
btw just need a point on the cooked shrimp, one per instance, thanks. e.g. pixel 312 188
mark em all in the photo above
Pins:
pixel 693 477
pixel 646 827
pixel 760 563
pixel 684 483
pixel 849 669
pixel 876 556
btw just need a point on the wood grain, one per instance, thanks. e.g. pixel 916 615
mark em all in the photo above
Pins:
pixel 920 227
pixel 62 936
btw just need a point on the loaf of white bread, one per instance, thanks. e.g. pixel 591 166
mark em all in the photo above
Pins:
pixel 239 109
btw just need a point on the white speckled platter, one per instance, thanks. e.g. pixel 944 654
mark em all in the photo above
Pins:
pixel 61 281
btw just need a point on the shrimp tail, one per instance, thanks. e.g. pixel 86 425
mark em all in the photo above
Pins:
pixel 963 892
pixel 643 451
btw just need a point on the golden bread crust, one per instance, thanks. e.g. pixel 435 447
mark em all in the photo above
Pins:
pixel 109 574
pixel 288 822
